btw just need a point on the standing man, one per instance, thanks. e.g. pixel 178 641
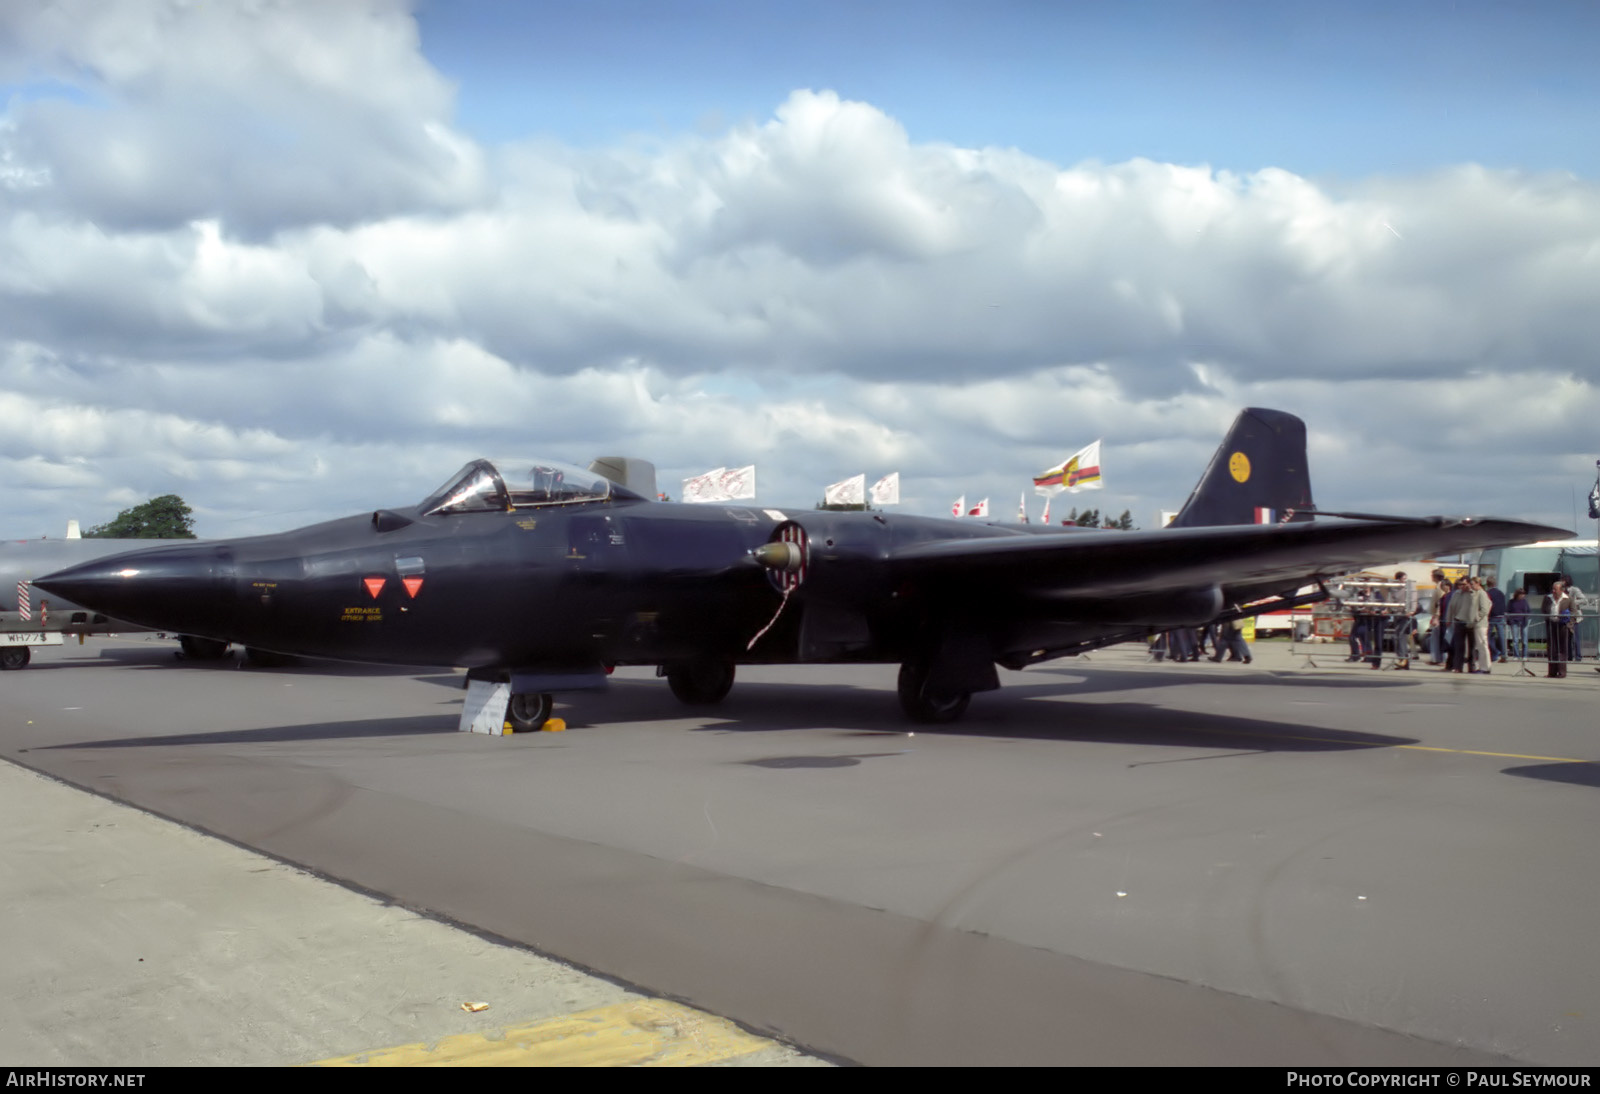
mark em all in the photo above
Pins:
pixel 1579 602
pixel 1465 614
pixel 1497 621
pixel 1480 626
pixel 1404 621
pixel 1557 616
pixel 1517 615
pixel 1443 627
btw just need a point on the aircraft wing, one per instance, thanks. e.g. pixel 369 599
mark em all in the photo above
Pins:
pixel 1110 563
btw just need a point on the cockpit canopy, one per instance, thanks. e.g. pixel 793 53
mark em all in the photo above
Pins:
pixel 485 486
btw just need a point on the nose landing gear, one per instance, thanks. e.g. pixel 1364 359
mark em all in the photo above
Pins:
pixel 528 713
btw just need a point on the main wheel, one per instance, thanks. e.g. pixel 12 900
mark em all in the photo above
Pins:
pixel 15 657
pixel 528 713
pixel 201 649
pixel 700 683
pixel 922 706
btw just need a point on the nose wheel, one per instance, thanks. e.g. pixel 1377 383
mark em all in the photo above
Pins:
pixel 528 713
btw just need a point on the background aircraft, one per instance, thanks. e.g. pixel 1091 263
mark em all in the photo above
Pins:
pixel 544 576
pixel 51 618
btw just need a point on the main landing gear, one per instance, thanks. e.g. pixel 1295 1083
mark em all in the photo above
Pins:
pixel 924 701
pixel 201 649
pixel 15 657
pixel 700 683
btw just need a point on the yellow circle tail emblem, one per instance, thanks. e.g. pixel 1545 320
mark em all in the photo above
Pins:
pixel 1239 466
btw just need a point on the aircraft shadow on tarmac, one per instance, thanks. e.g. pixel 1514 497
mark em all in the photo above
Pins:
pixel 164 656
pixel 1015 712
pixel 420 725
pixel 1029 713
pixel 1584 774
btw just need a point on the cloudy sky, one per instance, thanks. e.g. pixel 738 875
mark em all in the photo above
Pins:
pixel 292 259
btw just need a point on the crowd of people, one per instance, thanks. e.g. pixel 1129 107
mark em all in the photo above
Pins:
pixel 1471 625
pixel 1226 640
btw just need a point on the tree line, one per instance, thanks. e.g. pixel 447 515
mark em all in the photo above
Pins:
pixel 166 517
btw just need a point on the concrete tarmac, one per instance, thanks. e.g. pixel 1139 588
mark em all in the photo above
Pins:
pixel 1108 861
pixel 132 942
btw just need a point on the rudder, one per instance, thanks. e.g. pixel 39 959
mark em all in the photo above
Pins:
pixel 1258 476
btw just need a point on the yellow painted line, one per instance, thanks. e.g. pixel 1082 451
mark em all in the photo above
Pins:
pixel 638 1033
pixel 1498 755
pixel 1378 744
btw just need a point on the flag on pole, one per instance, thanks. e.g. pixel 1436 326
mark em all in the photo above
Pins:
pixel 1022 509
pixel 851 491
pixel 723 484
pixel 980 510
pixel 886 491
pixel 1046 518
pixel 959 509
pixel 1594 494
pixel 1080 471
pixel 738 483
pixel 704 488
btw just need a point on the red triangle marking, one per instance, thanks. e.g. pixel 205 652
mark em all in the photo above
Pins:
pixel 374 585
pixel 412 584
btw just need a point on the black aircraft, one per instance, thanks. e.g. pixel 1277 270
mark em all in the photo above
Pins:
pixel 545 576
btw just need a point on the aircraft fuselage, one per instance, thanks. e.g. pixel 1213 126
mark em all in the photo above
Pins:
pixel 612 582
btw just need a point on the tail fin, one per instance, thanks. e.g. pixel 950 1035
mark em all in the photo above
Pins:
pixel 1258 476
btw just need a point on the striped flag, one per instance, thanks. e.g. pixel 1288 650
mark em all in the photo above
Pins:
pixel 1080 471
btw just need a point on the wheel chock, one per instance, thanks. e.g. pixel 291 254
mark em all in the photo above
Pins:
pixel 555 725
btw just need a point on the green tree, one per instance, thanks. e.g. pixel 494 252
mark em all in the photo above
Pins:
pixel 166 517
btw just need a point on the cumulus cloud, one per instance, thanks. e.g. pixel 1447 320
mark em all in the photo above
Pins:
pixel 267 114
pixel 244 255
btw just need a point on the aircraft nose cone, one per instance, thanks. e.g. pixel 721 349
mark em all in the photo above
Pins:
pixel 181 588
